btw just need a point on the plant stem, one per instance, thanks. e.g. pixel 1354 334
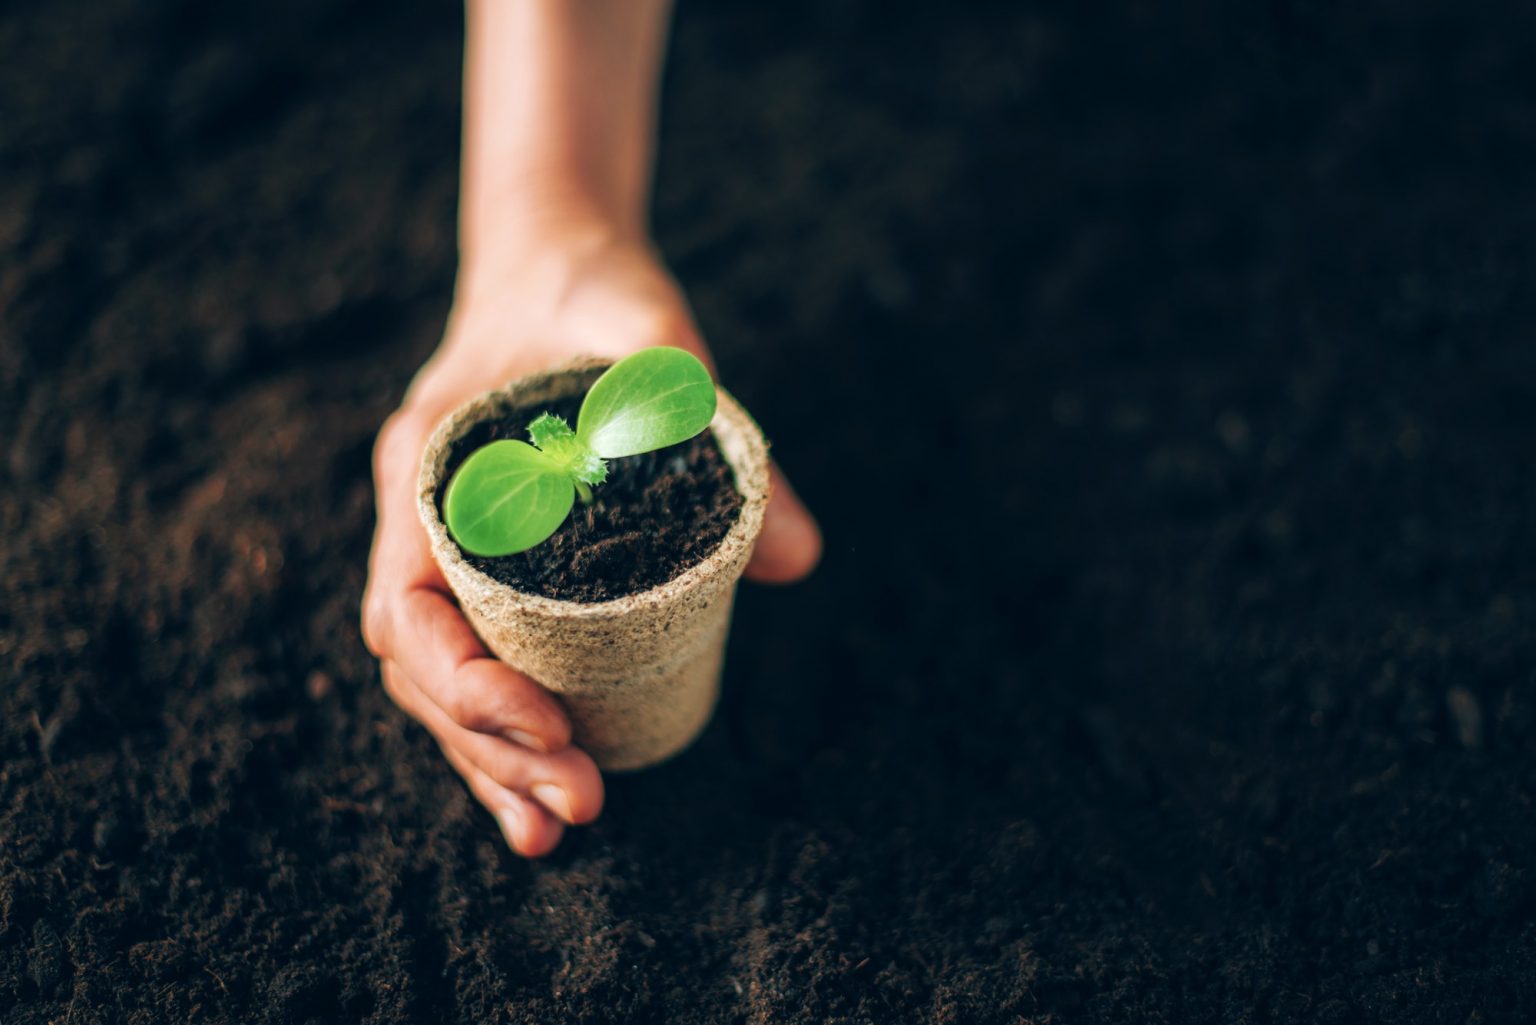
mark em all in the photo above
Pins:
pixel 583 491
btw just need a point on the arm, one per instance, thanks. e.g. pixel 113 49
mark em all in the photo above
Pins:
pixel 555 261
pixel 560 96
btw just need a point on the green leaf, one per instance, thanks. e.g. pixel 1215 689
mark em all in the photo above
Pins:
pixel 548 429
pixel 655 398
pixel 506 498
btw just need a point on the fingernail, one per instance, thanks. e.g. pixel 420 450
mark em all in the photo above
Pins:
pixel 527 740
pixel 510 820
pixel 553 798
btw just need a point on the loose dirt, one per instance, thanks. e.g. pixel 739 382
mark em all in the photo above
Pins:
pixel 1162 379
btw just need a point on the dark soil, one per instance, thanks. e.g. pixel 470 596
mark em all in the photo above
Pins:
pixel 1183 671
pixel 655 515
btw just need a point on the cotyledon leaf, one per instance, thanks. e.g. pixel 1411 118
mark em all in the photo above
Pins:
pixel 655 398
pixel 506 498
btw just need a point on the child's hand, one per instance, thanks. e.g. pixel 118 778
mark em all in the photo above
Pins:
pixel 569 286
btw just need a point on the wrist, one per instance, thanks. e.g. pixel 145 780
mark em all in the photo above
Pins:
pixel 525 237
pixel 559 112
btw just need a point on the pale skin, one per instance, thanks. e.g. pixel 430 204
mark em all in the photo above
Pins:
pixel 555 262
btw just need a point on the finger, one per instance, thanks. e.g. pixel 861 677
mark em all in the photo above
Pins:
pixel 566 783
pixel 529 829
pixel 400 557
pixel 409 618
pixel 398 563
pixel 434 645
pixel 789 546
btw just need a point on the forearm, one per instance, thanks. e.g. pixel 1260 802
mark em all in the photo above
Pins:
pixel 559 109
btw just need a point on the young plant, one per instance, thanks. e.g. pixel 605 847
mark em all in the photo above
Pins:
pixel 510 495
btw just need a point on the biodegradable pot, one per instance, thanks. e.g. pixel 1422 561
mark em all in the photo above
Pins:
pixel 639 675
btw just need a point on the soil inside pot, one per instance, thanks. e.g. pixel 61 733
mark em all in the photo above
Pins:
pixel 656 515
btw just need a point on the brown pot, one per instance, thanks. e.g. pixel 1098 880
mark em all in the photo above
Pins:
pixel 639 674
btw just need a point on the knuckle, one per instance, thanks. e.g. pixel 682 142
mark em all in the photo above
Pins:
pixel 507 773
pixel 375 623
pixel 555 730
pixel 529 709
pixel 508 702
pixel 468 711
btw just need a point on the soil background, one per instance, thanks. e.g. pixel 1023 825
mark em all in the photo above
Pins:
pixel 1163 377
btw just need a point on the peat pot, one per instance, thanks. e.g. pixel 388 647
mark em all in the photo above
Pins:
pixel 639 674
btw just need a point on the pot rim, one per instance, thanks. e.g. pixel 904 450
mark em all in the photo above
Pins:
pixel 733 428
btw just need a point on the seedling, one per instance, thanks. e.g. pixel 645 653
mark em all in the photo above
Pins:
pixel 510 495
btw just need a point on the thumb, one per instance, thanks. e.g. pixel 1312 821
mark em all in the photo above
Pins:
pixel 790 545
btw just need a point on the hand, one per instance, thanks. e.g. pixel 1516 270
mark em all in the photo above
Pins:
pixel 570 286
